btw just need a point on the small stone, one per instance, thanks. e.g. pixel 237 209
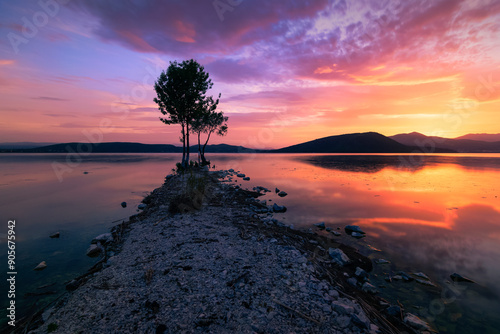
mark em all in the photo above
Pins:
pixel 342 307
pixel 55 235
pixel 338 256
pixel 124 204
pixel 278 208
pixel 425 282
pixel 343 321
pixel 41 266
pixel 352 281
pixel 282 194
pixel 277 190
pixel 415 322
pixel 103 238
pixel 335 233
pixel 422 275
pixel 240 175
pixel 246 178
pixel 333 293
pixel 361 323
pixel 320 225
pixel 459 278
pixel 394 310
pixel 353 228
pixel 367 287
pixel 357 235
pixel 382 261
pixel 361 273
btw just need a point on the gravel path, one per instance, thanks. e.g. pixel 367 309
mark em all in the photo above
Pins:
pixel 210 270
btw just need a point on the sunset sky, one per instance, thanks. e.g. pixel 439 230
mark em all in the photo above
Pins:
pixel 288 71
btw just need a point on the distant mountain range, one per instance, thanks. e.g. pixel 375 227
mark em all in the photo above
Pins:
pixel 125 147
pixel 368 142
pixel 429 144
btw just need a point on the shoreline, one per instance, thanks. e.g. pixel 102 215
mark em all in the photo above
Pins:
pixel 267 277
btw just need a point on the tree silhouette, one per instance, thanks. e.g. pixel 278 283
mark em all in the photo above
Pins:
pixel 210 122
pixel 181 96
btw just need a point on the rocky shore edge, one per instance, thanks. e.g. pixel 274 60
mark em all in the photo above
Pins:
pixel 207 256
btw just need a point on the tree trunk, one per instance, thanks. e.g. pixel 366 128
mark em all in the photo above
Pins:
pixel 204 161
pixel 183 146
pixel 199 147
pixel 187 144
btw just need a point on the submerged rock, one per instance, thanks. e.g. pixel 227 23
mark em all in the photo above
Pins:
pixel 459 278
pixel 353 228
pixel 55 235
pixel 338 256
pixel 41 266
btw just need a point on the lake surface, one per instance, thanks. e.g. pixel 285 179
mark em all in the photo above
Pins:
pixel 436 214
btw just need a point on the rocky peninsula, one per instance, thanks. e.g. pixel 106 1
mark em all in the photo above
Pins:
pixel 207 256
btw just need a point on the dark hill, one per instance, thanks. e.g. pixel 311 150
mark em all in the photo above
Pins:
pixel 368 142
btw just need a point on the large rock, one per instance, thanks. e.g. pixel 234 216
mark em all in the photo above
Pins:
pixel 93 250
pixel 415 322
pixel 338 256
pixel 103 238
pixel 41 266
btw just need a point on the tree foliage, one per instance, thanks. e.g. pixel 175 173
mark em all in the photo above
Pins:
pixel 181 97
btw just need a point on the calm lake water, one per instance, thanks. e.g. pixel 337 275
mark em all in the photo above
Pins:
pixel 435 214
